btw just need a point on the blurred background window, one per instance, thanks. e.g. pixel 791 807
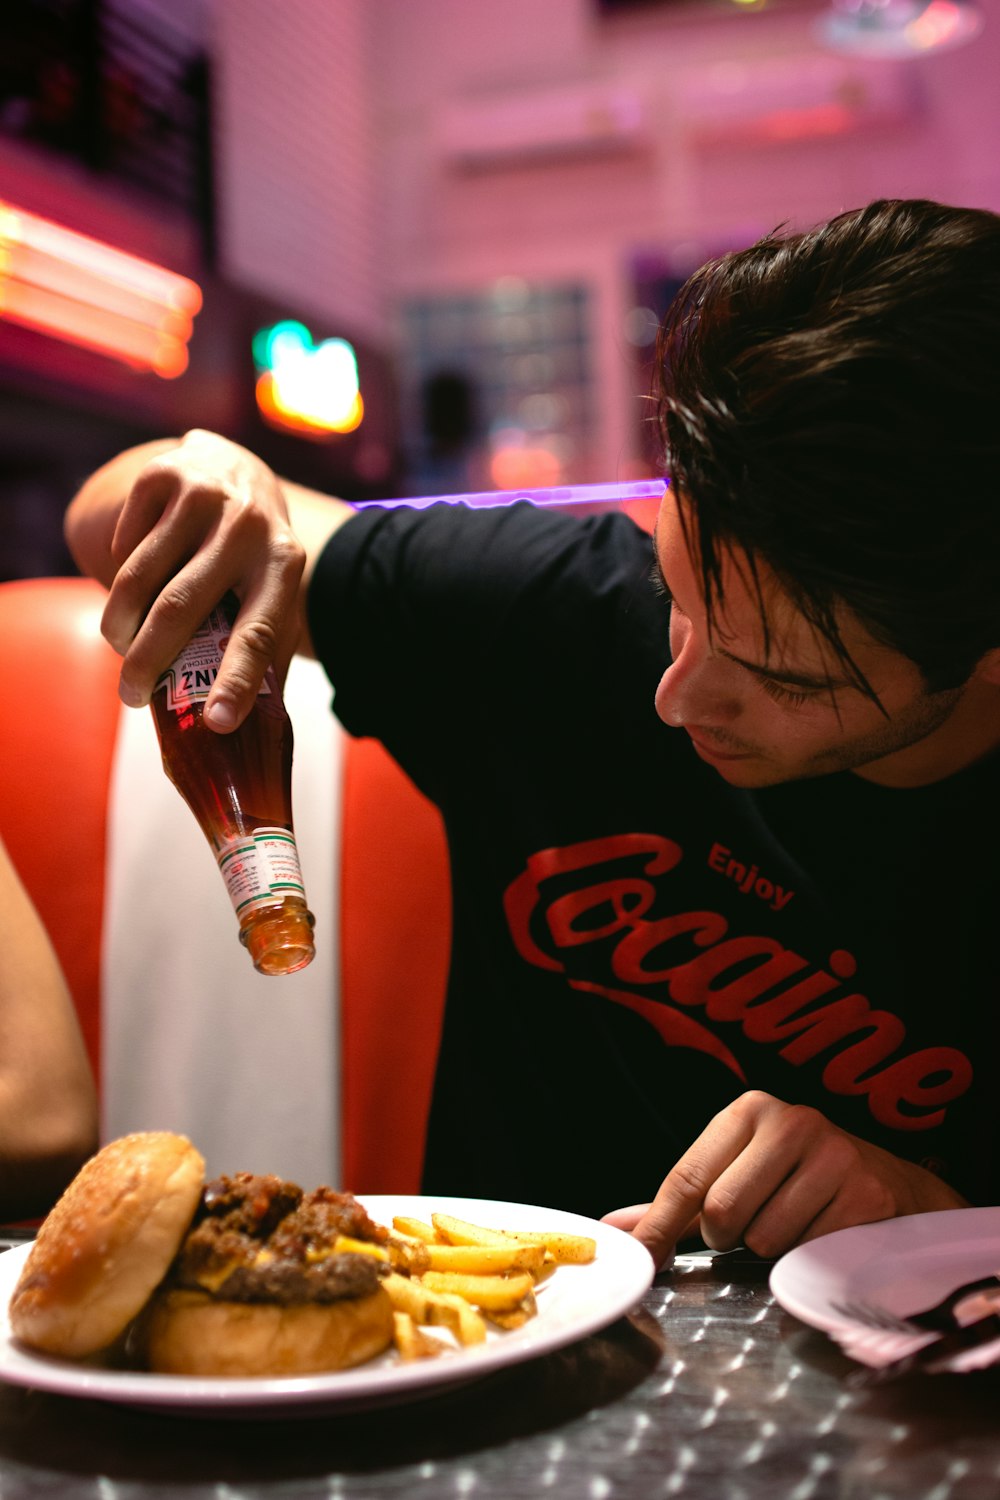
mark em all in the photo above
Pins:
pixel 497 388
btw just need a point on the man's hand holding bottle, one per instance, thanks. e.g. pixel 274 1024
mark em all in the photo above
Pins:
pixel 172 527
pixel 206 577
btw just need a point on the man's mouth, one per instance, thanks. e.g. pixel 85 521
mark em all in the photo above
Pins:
pixel 711 751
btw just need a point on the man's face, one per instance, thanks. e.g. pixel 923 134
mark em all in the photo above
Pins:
pixel 766 712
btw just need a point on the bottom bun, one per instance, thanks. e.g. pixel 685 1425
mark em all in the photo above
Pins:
pixel 191 1333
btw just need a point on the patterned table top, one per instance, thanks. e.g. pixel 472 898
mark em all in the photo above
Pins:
pixel 709 1391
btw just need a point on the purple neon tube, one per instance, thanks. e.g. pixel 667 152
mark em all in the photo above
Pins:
pixel 562 494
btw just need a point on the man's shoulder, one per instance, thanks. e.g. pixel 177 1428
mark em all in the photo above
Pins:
pixel 520 538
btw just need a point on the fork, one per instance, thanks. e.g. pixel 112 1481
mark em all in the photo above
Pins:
pixel 939 1318
pixel 970 1346
pixel 875 1336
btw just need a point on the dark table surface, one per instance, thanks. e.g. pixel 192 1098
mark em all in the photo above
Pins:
pixel 708 1391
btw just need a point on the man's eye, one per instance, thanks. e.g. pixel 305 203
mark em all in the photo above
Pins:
pixel 782 694
pixel 658 581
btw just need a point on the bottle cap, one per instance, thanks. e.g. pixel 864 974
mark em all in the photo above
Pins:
pixel 279 939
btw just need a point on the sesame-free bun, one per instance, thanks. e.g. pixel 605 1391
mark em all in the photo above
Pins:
pixel 193 1333
pixel 107 1244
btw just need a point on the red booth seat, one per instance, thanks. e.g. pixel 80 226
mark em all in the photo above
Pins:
pixel 61 724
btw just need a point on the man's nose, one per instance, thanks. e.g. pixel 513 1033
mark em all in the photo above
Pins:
pixel 693 691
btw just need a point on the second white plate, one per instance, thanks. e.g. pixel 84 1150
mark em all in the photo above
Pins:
pixel 902 1265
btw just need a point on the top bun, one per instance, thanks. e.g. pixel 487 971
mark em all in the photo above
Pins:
pixel 107 1243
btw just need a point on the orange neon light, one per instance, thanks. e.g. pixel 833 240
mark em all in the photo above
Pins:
pixel 75 323
pixel 280 415
pixel 49 274
pixel 83 292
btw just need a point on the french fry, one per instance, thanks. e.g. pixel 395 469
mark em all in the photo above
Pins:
pixel 517 1316
pixel 407 1255
pixel 455 1313
pixel 565 1249
pixel 406 1295
pixel 455 1275
pixel 549 1264
pixel 415 1229
pixel 488 1292
pixel 480 1260
pixel 458 1232
pixel 412 1342
pixel 427 1306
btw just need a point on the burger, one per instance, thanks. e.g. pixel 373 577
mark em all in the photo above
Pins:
pixel 271 1281
pixel 242 1276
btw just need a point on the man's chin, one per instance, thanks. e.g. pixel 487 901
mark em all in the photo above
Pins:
pixel 750 773
pixel 738 767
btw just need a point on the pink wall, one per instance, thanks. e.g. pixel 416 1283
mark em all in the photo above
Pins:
pixel 298 180
pixel 583 217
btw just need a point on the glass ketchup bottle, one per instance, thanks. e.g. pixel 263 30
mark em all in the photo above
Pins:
pixel 239 788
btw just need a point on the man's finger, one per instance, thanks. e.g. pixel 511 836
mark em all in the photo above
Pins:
pixel 682 1194
pixel 669 1218
pixel 629 1219
pixel 626 1218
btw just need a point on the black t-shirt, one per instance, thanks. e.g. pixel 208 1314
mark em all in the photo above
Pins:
pixel 636 943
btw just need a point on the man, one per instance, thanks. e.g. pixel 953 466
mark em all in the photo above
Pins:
pixel 770 933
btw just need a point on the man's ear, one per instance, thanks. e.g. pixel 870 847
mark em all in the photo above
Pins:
pixel 988 667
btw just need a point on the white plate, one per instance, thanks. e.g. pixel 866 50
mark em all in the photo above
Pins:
pixel 575 1301
pixel 903 1265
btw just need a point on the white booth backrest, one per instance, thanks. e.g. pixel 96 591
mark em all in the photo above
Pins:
pixel 194 1040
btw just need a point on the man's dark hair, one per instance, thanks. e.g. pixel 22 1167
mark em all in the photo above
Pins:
pixel 827 402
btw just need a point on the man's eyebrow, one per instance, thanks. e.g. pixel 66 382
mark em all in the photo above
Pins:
pixel 794 679
pixel 807 680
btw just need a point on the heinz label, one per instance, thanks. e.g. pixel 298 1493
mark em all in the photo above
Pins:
pixel 261 867
pixel 190 678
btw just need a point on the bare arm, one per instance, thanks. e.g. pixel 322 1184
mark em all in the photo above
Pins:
pixel 168 528
pixel 772 1175
pixel 48 1107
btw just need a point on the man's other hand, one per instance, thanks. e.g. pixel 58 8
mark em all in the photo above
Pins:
pixel 771 1175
